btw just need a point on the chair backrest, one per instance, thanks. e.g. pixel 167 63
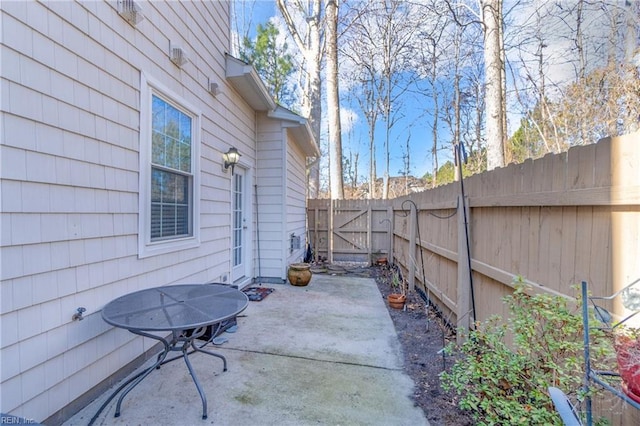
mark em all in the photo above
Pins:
pixel 564 407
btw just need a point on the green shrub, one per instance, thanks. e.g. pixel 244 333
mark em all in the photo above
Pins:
pixel 506 383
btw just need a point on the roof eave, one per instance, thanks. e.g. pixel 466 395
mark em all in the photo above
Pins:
pixel 299 128
pixel 245 80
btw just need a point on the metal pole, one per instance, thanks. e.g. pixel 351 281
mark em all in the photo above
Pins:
pixel 255 190
pixel 587 362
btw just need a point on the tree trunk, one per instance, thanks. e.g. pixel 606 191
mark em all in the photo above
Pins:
pixel 503 88
pixel 312 107
pixel 434 135
pixel 631 48
pixel 436 109
pixel 631 54
pixel 492 17
pixel 333 102
pixel 456 105
pixel 372 161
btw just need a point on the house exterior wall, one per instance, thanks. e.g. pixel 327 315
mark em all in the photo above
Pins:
pixel 296 198
pixel 281 196
pixel 270 187
pixel 71 105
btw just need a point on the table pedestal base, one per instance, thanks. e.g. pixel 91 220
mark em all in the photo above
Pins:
pixel 180 342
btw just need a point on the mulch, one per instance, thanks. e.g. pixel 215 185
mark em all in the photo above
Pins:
pixel 423 333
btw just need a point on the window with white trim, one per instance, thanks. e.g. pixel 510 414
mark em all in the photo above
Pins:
pixel 169 150
pixel 171 174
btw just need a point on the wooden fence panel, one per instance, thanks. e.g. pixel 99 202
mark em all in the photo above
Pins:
pixel 349 230
pixel 318 226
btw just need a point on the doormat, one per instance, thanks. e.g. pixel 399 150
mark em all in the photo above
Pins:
pixel 256 294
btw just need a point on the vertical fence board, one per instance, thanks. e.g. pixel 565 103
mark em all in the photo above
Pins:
pixel 582 250
pixel 568 249
pixel 544 241
pixel 506 240
pixel 533 239
pixel 463 270
pixel 560 173
pixel 555 248
pixel 602 167
pixel 599 268
pixel 515 223
pixel 524 242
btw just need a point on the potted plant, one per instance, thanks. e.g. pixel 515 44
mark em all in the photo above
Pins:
pixel 627 347
pixel 378 259
pixel 398 296
pixel 299 274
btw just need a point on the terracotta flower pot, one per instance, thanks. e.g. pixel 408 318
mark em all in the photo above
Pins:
pixel 299 274
pixel 628 357
pixel 396 300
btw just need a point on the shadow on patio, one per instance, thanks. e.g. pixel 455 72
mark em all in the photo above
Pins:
pixel 322 354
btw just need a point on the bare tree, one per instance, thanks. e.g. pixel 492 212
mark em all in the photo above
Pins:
pixel 242 22
pixel 361 72
pixel 333 102
pixel 491 19
pixel 631 51
pixel 305 27
pixel 472 105
pixel 431 57
pixel 632 21
pixel 379 44
pixel 398 29
pixel 573 80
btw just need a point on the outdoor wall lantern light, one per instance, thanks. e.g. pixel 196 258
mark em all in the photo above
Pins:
pixel 231 158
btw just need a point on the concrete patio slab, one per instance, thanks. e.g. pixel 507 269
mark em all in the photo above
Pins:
pixel 324 354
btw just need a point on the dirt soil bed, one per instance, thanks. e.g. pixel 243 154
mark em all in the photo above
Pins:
pixel 420 331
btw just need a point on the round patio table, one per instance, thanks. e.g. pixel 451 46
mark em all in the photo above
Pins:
pixel 185 311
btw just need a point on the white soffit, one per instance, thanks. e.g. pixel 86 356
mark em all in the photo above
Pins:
pixel 299 129
pixel 245 80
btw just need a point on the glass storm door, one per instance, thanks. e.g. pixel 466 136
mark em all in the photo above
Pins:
pixel 239 225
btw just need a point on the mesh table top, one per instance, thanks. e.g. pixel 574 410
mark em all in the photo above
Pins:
pixel 175 307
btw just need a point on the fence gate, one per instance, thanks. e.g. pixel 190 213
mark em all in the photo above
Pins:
pixel 349 230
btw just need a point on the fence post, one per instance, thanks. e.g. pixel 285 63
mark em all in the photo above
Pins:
pixel 330 232
pixel 369 234
pixel 316 238
pixel 390 234
pixel 413 222
pixel 463 314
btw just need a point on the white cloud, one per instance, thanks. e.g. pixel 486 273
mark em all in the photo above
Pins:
pixel 348 119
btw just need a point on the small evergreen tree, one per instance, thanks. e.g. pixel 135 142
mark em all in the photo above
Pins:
pixel 272 62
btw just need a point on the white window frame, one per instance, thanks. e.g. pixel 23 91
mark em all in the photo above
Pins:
pixel 146 247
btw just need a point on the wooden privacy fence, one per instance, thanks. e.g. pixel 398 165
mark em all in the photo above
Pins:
pixel 555 221
pixel 349 230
